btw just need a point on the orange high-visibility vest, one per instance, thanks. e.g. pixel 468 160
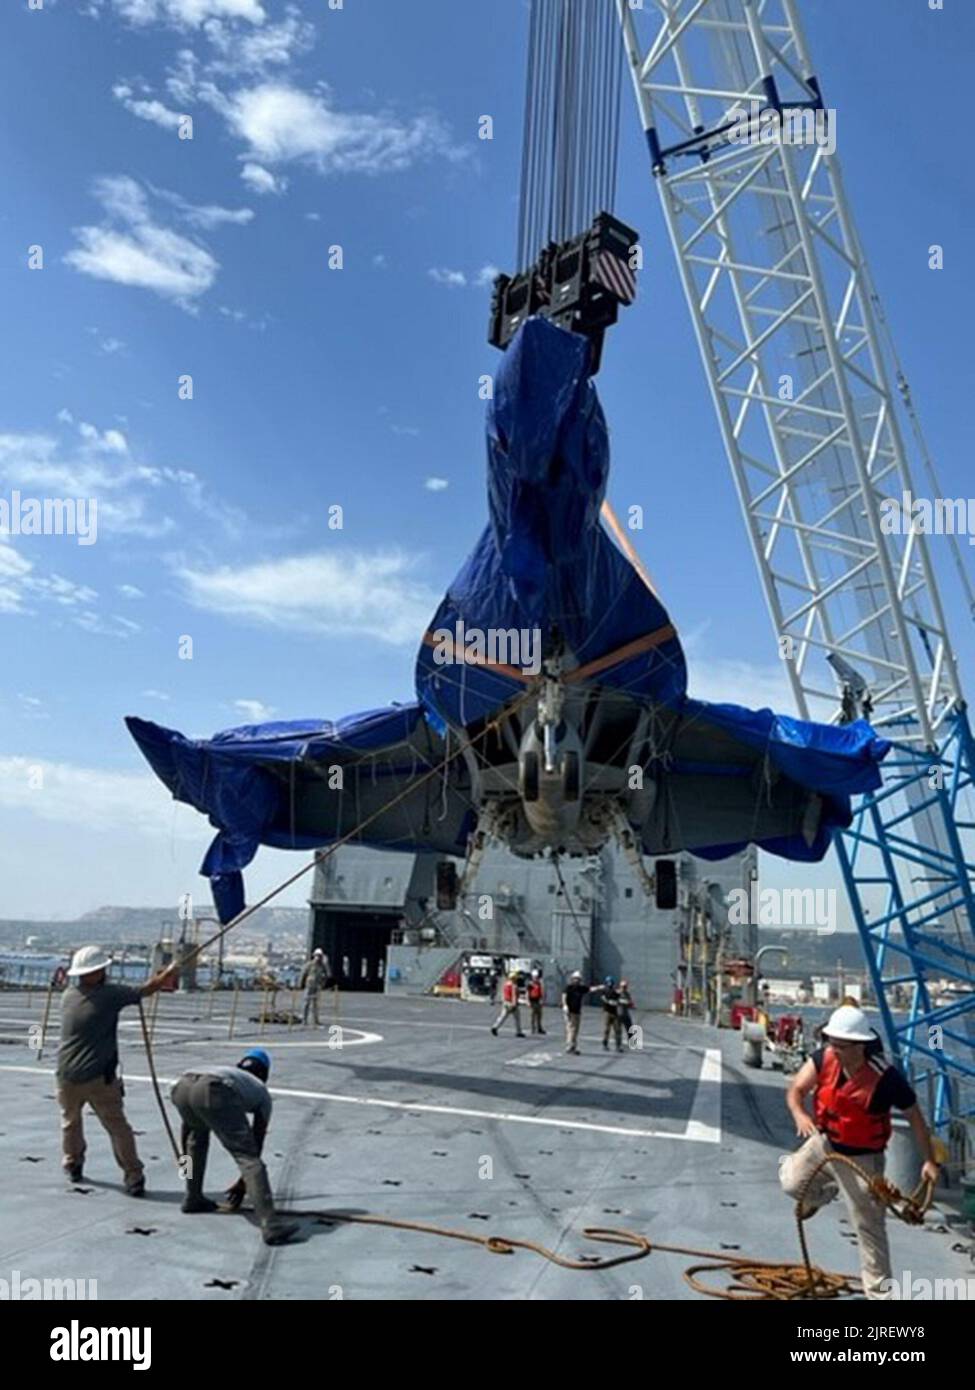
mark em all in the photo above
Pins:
pixel 842 1107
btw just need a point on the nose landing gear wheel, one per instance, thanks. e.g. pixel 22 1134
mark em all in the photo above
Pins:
pixel 528 776
pixel 570 776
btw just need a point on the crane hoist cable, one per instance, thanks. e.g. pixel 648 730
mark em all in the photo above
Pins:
pixel 572 119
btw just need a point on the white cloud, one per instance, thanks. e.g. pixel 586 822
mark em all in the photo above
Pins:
pixel 132 497
pixel 188 14
pixel 281 123
pixel 410 431
pixel 13 571
pixel 92 797
pixel 111 625
pixel 109 441
pixel 436 484
pixel 207 215
pixel 379 261
pixel 129 591
pixel 366 595
pixel 148 109
pixel 254 711
pixel 138 251
pixel 486 276
pixel 450 279
pixel 31 707
pixel 21 586
pixel 259 50
pixel 262 181
pixel 154 694
pixel 111 345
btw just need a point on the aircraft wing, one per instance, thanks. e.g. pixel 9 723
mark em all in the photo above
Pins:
pixel 302 784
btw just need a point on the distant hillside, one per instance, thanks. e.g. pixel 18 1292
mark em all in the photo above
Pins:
pixel 142 924
pixel 813 954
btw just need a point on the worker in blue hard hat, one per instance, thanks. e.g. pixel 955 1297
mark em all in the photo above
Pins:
pixel 613 1022
pixel 219 1101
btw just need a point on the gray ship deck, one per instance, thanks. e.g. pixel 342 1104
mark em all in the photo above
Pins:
pixel 675 1141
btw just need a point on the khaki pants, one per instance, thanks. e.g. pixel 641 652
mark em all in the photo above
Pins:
pixel 506 1011
pixel 536 1008
pixel 868 1216
pixel 105 1098
pixel 311 1004
pixel 572 1022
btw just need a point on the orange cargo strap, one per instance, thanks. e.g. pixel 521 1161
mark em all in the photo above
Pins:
pixel 634 648
pixel 512 672
pixel 645 643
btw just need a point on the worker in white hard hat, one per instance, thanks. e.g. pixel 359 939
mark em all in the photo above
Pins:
pixel 314 977
pixel 854 1089
pixel 572 996
pixel 88 1061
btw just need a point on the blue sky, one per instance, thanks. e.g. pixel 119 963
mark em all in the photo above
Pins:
pixel 314 387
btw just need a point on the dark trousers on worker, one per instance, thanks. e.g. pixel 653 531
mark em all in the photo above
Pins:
pixel 613 1025
pixel 208 1106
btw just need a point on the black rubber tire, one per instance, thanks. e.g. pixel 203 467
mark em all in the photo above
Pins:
pixel 528 774
pixel 570 775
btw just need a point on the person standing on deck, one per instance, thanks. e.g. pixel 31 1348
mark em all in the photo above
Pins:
pixel 536 1000
pixel 509 1005
pixel 626 1004
pixel 611 1010
pixel 88 1062
pixel 572 997
pixel 314 978
pixel 853 1090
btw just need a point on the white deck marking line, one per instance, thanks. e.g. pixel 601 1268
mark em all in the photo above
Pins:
pixel 697 1130
pixel 277 1043
pixel 418 1022
pixel 704 1124
pixel 54 1030
pixel 347 1040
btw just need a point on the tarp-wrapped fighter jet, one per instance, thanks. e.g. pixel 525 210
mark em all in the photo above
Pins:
pixel 551 689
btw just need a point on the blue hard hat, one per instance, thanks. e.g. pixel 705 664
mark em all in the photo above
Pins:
pixel 257 1054
pixel 609 980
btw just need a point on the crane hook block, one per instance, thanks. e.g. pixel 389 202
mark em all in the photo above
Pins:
pixel 579 284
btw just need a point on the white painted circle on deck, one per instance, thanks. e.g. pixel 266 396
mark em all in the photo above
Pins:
pixel 346 1037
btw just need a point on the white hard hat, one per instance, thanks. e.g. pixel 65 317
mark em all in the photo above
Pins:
pixel 318 951
pixel 87 959
pixel 576 975
pixel 536 974
pixel 848 1024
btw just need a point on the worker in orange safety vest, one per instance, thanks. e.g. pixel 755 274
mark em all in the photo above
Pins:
pixel 853 1089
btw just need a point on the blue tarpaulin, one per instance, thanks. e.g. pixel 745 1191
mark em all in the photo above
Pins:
pixel 543 565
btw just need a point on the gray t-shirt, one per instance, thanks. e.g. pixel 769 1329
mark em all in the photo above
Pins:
pixel 89 1030
pixel 255 1095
